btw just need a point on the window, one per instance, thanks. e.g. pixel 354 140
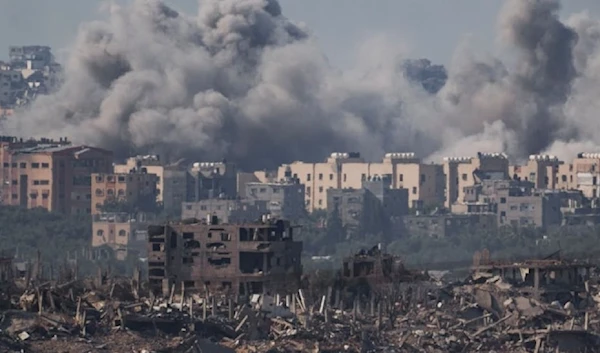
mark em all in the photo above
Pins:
pixel 203 208
pixel 423 178
pixel 45 196
pixel 307 177
pixel 503 200
pixel 121 179
pixel 363 177
pixel 308 190
pixel 275 190
pixel 110 192
pixel 330 176
pixel 98 178
pixel 122 233
pixel 344 177
pixel 401 177
pixel 320 189
pixel 6 165
pixel 320 176
pixel 14 196
pixel 36 182
pixel 23 165
pixel 414 190
pixel 99 192
pixel 35 165
pixel 320 202
pixel 262 190
pixel 564 178
pixel 100 232
pixel 110 179
pixel 14 165
pixel 45 165
pixel 15 182
pixel 121 192
pixel 464 177
pixel 295 176
pixel 44 182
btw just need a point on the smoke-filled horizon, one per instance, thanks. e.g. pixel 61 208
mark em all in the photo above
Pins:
pixel 238 80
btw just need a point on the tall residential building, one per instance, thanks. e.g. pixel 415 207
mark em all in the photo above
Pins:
pixel 124 233
pixel 541 170
pixel 284 199
pixel 463 172
pixel 136 189
pixel 209 180
pixel 586 172
pixel 424 182
pixel 51 174
pixel 368 209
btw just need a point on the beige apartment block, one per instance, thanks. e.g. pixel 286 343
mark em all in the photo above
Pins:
pixel 51 174
pixel 152 164
pixel 135 188
pixel 120 231
pixel 467 171
pixel 585 172
pixel 425 182
pixel 541 170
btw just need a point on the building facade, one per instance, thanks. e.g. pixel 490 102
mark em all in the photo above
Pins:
pixel 124 233
pixel 136 189
pixel 541 170
pixel 210 180
pixel 226 211
pixel 424 182
pixel 51 174
pixel 367 210
pixel 245 259
pixel 462 172
pixel 284 199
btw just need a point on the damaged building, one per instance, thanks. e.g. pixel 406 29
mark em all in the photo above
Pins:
pixel 238 259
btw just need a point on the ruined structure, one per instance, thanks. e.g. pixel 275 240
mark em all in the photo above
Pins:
pixel 376 266
pixel 237 259
pixel 549 279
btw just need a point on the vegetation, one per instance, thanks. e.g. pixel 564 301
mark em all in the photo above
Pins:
pixel 506 243
pixel 23 232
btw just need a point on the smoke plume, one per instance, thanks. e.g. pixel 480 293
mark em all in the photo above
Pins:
pixel 241 81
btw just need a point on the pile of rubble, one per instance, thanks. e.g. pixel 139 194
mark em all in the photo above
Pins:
pixel 528 307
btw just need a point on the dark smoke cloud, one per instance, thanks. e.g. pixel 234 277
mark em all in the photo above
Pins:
pixel 240 81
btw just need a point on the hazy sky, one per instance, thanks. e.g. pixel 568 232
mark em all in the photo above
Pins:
pixel 429 28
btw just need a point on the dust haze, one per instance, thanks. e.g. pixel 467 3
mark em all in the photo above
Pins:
pixel 239 80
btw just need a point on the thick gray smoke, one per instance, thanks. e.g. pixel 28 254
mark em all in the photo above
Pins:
pixel 240 81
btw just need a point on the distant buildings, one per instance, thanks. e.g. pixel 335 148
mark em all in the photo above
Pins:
pixel 31 71
pixel 51 174
pixel 135 190
pixel 424 182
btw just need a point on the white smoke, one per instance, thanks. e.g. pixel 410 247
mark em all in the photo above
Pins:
pixel 241 81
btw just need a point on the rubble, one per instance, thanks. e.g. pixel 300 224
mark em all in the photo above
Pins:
pixel 491 311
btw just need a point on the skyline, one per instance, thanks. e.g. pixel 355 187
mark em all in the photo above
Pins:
pixel 33 22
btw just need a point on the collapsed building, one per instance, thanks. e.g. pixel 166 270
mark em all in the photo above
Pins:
pixel 237 259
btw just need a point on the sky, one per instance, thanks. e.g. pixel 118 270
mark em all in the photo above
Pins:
pixel 427 28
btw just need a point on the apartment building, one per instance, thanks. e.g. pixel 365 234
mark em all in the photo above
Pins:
pixel 464 172
pixel 171 179
pixel 424 182
pixel 585 172
pixel 51 174
pixel 226 210
pixel 542 170
pixel 242 259
pixel 136 189
pixel 370 208
pixel 285 199
pixel 259 176
pixel 209 180
pixel 123 232
pixel 515 202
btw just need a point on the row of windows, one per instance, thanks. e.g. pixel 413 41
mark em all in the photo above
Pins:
pixel 120 179
pixel 111 192
pixel 364 177
pixel 122 232
pixel 24 165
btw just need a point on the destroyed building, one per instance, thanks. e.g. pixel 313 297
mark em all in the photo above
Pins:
pixel 238 259
pixel 374 265
pixel 550 279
